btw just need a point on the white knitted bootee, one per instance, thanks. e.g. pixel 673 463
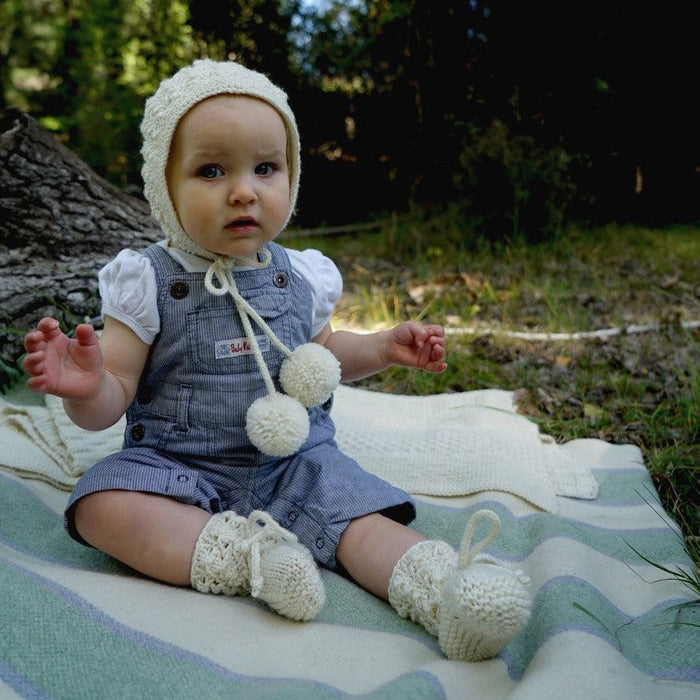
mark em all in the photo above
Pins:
pixel 255 555
pixel 474 606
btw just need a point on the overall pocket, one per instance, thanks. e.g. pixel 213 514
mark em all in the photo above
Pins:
pixel 217 340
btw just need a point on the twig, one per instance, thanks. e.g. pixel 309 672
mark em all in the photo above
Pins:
pixel 602 333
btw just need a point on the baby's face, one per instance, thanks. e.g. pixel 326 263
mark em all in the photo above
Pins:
pixel 228 176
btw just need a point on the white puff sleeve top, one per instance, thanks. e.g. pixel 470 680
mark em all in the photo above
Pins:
pixel 128 290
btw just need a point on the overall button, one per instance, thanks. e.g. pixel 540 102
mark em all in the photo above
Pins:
pixel 179 289
pixel 293 515
pixel 320 542
pixel 182 478
pixel 280 280
pixel 138 432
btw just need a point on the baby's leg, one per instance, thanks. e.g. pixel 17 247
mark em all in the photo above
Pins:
pixel 370 548
pixel 153 534
pixel 471 604
pixel 222 553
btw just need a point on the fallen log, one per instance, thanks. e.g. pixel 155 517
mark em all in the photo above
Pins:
pixel 59 223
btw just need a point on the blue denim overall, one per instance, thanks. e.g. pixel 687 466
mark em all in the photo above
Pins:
pixel 185 435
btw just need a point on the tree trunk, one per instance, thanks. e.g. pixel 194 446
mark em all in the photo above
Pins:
pixel 60 223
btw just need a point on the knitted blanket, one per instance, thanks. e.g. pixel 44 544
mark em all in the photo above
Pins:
pixel 605 623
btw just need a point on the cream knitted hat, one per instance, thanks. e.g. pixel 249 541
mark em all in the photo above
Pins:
pixel 172 100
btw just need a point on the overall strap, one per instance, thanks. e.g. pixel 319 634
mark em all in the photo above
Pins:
pixel 163 263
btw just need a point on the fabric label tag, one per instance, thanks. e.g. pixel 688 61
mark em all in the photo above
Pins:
pixel 234 347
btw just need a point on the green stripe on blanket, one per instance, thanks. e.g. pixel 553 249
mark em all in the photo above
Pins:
pixel 62 637
pixel 38 530
pixel 63 647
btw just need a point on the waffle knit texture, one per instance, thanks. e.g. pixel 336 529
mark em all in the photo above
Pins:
pixel 172 100
pixel 239 556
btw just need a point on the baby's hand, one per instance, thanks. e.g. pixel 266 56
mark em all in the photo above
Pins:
pixel 67 367
pixel 414 345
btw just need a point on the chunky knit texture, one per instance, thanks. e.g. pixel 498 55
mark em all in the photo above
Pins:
pixel 256 556
pixel 172 100
pixel 474 606
pixel 483 608
pixel 415 588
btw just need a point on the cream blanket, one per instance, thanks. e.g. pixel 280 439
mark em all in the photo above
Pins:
pixel 442 445
pixel 605 623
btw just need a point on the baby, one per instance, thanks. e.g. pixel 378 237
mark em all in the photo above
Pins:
pixel 217 345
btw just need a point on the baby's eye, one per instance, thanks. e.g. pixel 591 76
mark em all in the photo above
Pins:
pixel 266 169
pixel 209 172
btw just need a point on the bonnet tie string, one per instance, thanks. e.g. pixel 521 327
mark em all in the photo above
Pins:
pixel 278 424
pixel 221 272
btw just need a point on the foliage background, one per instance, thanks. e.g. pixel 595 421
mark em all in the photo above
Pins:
pixel 521 117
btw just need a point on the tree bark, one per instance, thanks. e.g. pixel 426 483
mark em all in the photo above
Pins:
pixel 60 223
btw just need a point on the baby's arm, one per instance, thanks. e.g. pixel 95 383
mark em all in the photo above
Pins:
pixel 409 344
pixel 97 379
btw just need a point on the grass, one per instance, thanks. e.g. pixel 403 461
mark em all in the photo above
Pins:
pixel 637 388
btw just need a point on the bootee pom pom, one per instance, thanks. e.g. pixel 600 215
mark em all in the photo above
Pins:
pixel 277 425
pixel 310 374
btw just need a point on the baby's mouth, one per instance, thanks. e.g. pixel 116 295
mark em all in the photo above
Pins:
pixel 242 223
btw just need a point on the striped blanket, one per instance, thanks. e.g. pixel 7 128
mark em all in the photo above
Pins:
pixel 605 623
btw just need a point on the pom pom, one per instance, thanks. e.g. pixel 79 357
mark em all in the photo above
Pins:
pixel 277 425
pixel 310 374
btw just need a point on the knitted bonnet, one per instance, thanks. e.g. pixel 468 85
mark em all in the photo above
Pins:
pixel 172 100
pixel 277 424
